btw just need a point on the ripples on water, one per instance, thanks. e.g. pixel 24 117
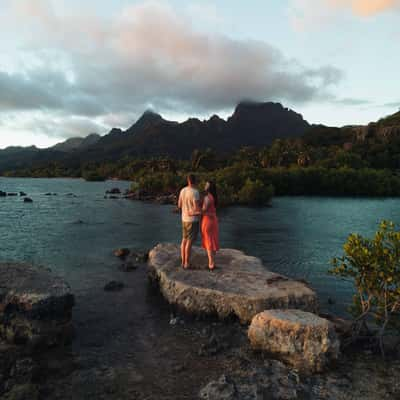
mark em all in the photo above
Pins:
pixel 75 235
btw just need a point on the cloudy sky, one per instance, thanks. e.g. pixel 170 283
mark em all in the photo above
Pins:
pixel 72 67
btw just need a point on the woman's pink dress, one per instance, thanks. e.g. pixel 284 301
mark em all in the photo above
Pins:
pixel 209 225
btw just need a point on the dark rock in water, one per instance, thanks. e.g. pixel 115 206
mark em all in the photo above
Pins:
pixel 71 195
pixel 113 286
pixel 12 194
pixel 129 266
pixel 133 256
pixel 3 194
pixel 22 194
pixel 121 253
pixel 113 191
pixel 166 199
pixel 28 200
pixel 35 306
pixel 132 259
pixel 139 256
pixel 113 197
pixel 130 196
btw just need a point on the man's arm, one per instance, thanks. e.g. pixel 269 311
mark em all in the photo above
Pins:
pixel 180 200
pixel 197 206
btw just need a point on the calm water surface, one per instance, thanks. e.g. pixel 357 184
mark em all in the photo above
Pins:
pixel 75 236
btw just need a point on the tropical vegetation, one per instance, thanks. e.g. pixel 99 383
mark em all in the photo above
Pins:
pixel 373 265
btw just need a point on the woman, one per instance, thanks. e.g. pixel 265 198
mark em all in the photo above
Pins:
pixel 209 224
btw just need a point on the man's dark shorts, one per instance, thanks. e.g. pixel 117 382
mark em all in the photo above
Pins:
pixel 190 230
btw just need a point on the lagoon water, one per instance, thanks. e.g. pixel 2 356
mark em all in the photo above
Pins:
pixel 75 236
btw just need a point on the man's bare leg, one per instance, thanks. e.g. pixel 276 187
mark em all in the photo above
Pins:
pixel 188 251
pixel 183 252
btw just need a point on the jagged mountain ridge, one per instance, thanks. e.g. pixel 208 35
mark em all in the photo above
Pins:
pixel 77 143
pixel 251 124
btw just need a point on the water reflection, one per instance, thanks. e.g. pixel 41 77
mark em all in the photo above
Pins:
pixel 75 235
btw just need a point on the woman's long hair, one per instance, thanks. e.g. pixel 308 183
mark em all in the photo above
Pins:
pixel 212 188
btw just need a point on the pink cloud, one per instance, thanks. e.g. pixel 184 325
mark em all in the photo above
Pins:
pixel 309 14
pixel 366 8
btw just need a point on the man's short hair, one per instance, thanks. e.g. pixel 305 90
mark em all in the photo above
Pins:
pixel 191 178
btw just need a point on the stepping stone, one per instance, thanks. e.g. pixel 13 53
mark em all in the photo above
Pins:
pixel 301 339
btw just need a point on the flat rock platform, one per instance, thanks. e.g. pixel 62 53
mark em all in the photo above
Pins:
pixel 241 285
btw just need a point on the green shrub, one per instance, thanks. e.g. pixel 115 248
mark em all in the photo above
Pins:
pixel 374 267
pixel 255 193
pixel 93 177
pixel 160 182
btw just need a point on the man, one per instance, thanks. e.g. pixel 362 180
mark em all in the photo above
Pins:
pixel 189 203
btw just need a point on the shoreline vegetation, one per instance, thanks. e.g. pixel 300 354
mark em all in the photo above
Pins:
pixel 303 159
pixel 248 177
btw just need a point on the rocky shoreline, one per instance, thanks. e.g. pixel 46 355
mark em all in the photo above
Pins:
pixel 35 316
pixel 142 195
pixel 131 344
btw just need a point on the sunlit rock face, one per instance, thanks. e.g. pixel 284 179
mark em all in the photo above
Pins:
pixel 240 286
pixel 302 339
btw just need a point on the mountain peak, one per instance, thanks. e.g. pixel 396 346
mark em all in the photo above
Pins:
pixel 254 106
pixel 273 112
pixel 148 118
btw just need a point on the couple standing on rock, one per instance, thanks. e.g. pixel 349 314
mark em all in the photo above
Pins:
pixel 193 209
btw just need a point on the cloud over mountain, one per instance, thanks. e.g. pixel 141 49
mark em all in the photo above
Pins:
pixel 146 55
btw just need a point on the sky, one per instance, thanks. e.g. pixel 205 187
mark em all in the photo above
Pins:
pixel 70 67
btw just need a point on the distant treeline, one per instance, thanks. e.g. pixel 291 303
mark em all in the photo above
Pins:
pixel 320 163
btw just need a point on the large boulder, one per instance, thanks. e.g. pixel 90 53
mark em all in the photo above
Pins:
pixel 302 339
pixel 241 285
pixel 35 306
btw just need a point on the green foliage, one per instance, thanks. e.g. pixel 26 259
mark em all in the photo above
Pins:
pixel 374 267
pixel 255 193
pixel 203 160
pixel 390 120
pixel 159 183
pixel 333 181
pixel 93 177
pixel 317 164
